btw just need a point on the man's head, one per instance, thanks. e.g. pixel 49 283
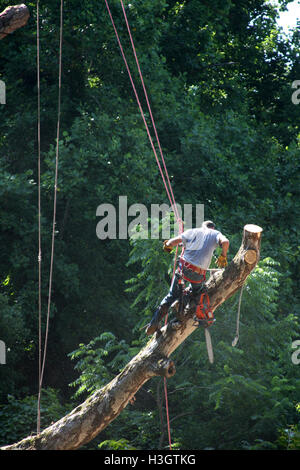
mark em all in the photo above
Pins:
pixel 208 224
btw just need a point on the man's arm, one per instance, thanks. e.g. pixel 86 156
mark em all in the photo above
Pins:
pixel 225 246
pixel 174 241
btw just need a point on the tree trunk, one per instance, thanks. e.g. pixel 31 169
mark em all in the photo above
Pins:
pixel 87 420
pixel 12 18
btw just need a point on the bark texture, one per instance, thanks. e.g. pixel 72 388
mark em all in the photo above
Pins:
pixel 86 421
pixel 12 18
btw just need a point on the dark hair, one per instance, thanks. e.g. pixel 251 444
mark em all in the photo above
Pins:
pixel 208 224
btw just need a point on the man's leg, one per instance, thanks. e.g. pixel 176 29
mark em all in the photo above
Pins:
pixel 197 290
pixel 163 307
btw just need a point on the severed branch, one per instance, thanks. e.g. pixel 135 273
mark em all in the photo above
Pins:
pixel 87 420
pixel 12 18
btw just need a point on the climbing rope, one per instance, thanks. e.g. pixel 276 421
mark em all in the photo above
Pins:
pixel 42 365
pixel 39 212
pixel 150 112
pixel 167 183
pixel 236 338
pixel 167 186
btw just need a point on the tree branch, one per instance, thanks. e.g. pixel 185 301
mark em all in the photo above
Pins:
pixel 12 18
pixel 86 421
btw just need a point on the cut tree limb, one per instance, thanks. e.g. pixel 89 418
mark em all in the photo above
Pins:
pixel 12 18
pixel 87 420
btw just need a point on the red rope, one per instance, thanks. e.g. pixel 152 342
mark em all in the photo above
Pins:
pixel 170 196
pixel 150 112
pixel 167 411
pixel 142 113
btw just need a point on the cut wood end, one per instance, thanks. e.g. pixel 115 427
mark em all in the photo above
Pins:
pixel 13 18
pixel 165 367
pixel 253 228
pixel 16 9
pixel 250 256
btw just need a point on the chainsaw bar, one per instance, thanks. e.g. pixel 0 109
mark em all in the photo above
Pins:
pixel 209 347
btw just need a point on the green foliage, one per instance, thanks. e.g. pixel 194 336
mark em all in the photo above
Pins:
pixel 121 444
pixel 250 390
pixel 98 362
pixel 219 80
pixel 289 438
pixel 153 280
pixel 18 417
pixel 18 344
pixel 247 395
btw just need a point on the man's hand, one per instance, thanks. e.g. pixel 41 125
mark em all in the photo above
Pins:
pixel 168 245
pixel 167 248
pixel 222 261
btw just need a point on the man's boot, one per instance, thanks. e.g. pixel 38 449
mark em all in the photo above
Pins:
pixel 159 314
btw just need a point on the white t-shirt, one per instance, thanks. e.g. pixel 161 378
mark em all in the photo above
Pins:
pixel 199 245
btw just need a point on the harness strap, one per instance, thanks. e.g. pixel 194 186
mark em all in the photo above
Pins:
pixel 182 263
pixel 192 267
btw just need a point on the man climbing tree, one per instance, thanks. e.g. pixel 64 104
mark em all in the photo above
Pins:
pixel 199 245
pixel 89 418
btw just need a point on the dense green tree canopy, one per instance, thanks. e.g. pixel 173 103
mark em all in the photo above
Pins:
pixel 219 77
